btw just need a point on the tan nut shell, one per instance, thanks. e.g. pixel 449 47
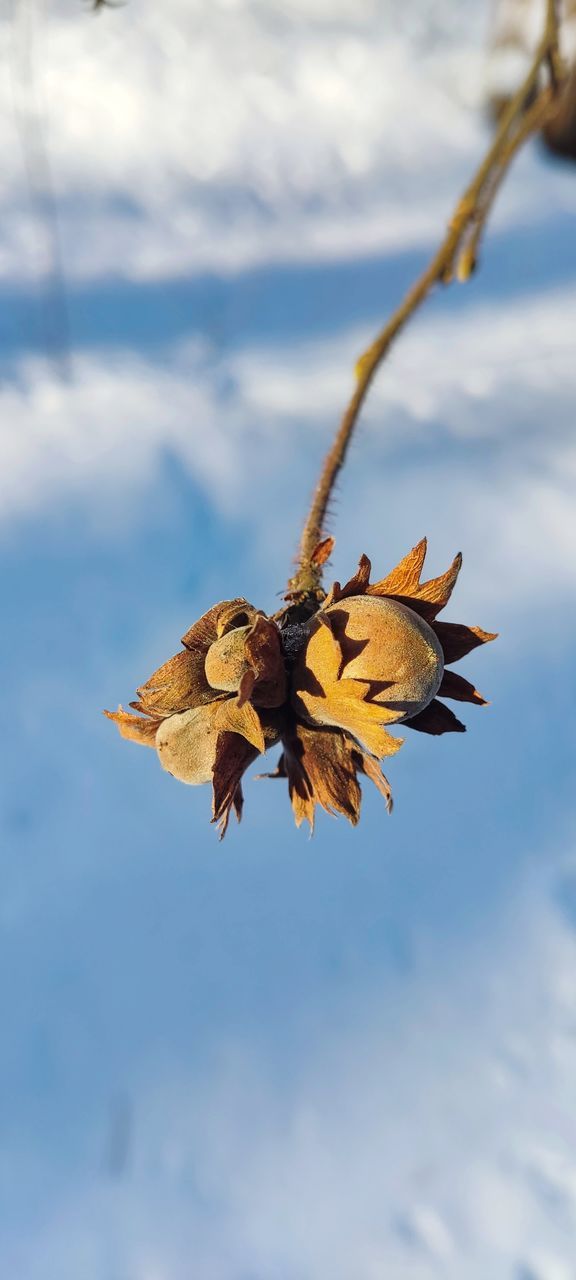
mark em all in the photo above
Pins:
pixel 186 745
pixel 369 661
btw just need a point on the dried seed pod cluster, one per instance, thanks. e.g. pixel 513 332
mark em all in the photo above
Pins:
pixel 324 680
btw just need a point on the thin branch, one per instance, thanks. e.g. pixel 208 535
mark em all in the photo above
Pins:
pixel 535 117
pixel 525 114
pixel 551 38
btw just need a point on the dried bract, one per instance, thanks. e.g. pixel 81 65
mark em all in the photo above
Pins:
pixel 326 681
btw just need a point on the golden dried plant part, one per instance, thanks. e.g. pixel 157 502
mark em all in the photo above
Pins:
pixel 216 621
pixel 233 756
pixel 248 660
pixel 322 768
pixel 134 728
pixel 436 719
pixel 426 598
pixel 181 683
pixel 460 690
pixel 320 771
pixel 225 663
pixel 264 654
pixel 368 662
pixel 364 721
pixel 186 745
pixel 371 655
pixel 404 580
pixel 458 641
pixel 177 685
pixel 371 768
pixel 230 717
pixel 321 554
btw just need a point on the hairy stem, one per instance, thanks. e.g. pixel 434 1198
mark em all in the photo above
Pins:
pixel 526 113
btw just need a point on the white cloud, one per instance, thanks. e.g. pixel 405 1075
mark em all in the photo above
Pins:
pixel 500 377
pixel 203 135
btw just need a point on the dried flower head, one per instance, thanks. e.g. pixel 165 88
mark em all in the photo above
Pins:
pixel 329 674
pixel 325 680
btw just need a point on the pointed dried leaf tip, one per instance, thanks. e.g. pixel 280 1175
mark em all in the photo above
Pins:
pixel 299 784
pixel 134 728
pixel 358 583
pixel 230 717
pixel 334 594
pixel 210 626
pixel 436 719
pixel 437 591
pixel 426 598
pixel 177 685
pixel 404 580
pixel 369 766
pixel 322 552
pixel 322 767
pixel 456 687
pixel 457 640
pixel 233 756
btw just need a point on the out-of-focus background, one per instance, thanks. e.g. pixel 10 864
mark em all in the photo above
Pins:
pixel 351 1058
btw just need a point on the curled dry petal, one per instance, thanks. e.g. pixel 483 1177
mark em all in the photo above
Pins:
pixel 135 728
pixel 219 619
pixel 348 709
pixel 178 685
pixel 437 591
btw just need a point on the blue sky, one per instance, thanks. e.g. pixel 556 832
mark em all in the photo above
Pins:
pixel 276 1058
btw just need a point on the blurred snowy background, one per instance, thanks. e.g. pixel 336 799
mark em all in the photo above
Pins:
pixel 275 1059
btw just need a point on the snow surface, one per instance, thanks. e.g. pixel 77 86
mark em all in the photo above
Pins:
pixel 353 1058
